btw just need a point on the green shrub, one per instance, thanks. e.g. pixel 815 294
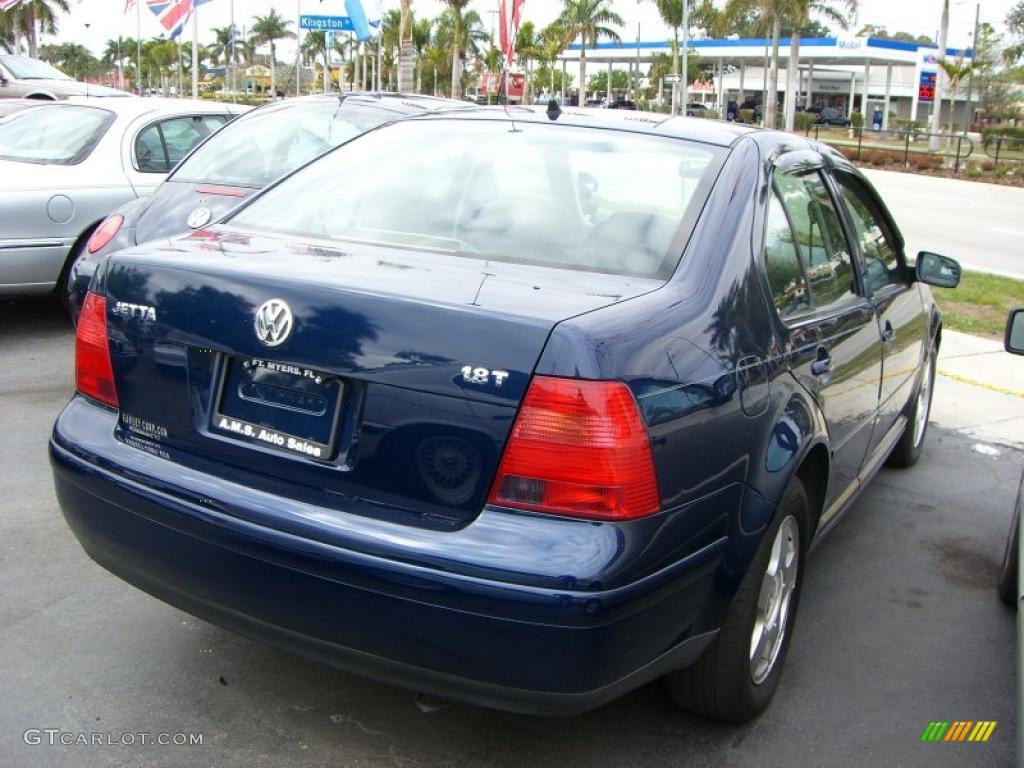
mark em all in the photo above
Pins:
pixel 857 120
pixel 709 114
pixel 974 172
pixel 746 115
pixel 1014 134
pixel 805 121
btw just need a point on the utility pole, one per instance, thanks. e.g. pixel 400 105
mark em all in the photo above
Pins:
pixel 936 128
pixel 233 60
pixel 968 109
pixel 138 47
pixel 86 78
pixel 298 47
pixel 636 76
pixel 684 86
pixel 195 53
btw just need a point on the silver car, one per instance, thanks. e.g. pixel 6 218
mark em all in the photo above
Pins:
pixel 25 78
pixel 65 165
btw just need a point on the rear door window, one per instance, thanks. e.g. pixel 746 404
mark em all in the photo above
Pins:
pixel 161 146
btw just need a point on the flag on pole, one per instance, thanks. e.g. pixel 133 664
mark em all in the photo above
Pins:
pixel 509 22
pixel 173 14
pixel 128 5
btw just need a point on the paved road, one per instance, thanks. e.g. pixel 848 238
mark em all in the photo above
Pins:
pixel 899 625
pixel 980 224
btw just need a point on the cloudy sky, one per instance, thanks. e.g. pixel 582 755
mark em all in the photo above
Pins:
pixel 106 20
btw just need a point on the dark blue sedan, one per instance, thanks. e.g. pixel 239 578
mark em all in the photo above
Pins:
pixel 233 164
pixel 520 407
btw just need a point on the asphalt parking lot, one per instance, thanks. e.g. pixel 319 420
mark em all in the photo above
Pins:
pixel 899 625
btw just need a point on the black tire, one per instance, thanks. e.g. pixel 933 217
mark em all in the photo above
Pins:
pixel 1008 585
pixel 63 287
pixel 907 451
pixel 720 685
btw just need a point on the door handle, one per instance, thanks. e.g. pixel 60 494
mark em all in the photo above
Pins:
pixel 823 364
pixel 888 333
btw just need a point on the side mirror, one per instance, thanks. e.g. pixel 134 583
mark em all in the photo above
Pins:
pixel 1015 333
pixel 940 271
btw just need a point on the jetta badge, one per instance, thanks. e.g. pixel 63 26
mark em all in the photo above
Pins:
pixel 200 217
pixel 274 323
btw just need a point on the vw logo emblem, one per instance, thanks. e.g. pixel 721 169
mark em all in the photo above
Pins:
pixel 200 217
pixel 274 323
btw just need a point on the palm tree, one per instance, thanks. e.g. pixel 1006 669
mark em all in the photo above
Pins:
pixel 767 15
pixel 8 35
pixel 28 19
pixel 224 43
pixel 313 46
pixel 436 58
pixel 462 35
pixel 671 12
pixel 529 48
pixel 246 51
pixel 422 32
pixel 456 8
pixel 800 12
pixel 956 70
pixel 268 30
pixel 72 58
pixel 406 51
pixel 588 20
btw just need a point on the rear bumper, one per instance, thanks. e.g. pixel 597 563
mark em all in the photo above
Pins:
pixel 505 645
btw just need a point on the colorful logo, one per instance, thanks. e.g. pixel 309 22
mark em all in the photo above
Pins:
pixel 958 730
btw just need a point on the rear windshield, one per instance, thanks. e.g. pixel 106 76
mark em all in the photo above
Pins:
pixel 555 195
pixel 268 143
pixel 53 135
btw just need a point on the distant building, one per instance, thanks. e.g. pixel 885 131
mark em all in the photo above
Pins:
pixel 865 74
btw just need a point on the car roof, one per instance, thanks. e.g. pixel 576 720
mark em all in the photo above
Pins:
pixel 134 106
pixel 404 104
pixel 717 132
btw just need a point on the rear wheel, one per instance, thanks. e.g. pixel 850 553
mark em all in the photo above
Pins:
pixel 737 676
pixel 908 450
pixel 1008 574
pixel 63 287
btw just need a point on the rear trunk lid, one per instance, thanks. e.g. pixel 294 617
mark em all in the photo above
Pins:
pixel 391 395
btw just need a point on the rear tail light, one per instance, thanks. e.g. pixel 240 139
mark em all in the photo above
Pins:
pixel 94 374
pixel 578 448
pixel 104 233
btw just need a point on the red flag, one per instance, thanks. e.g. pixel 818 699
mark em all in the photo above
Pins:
pixel 502 26
pixel 509 27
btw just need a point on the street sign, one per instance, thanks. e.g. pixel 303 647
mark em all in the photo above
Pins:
pixel 672 78
pixel 326 23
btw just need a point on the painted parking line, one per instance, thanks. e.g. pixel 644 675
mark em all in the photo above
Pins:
pixel 981 384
